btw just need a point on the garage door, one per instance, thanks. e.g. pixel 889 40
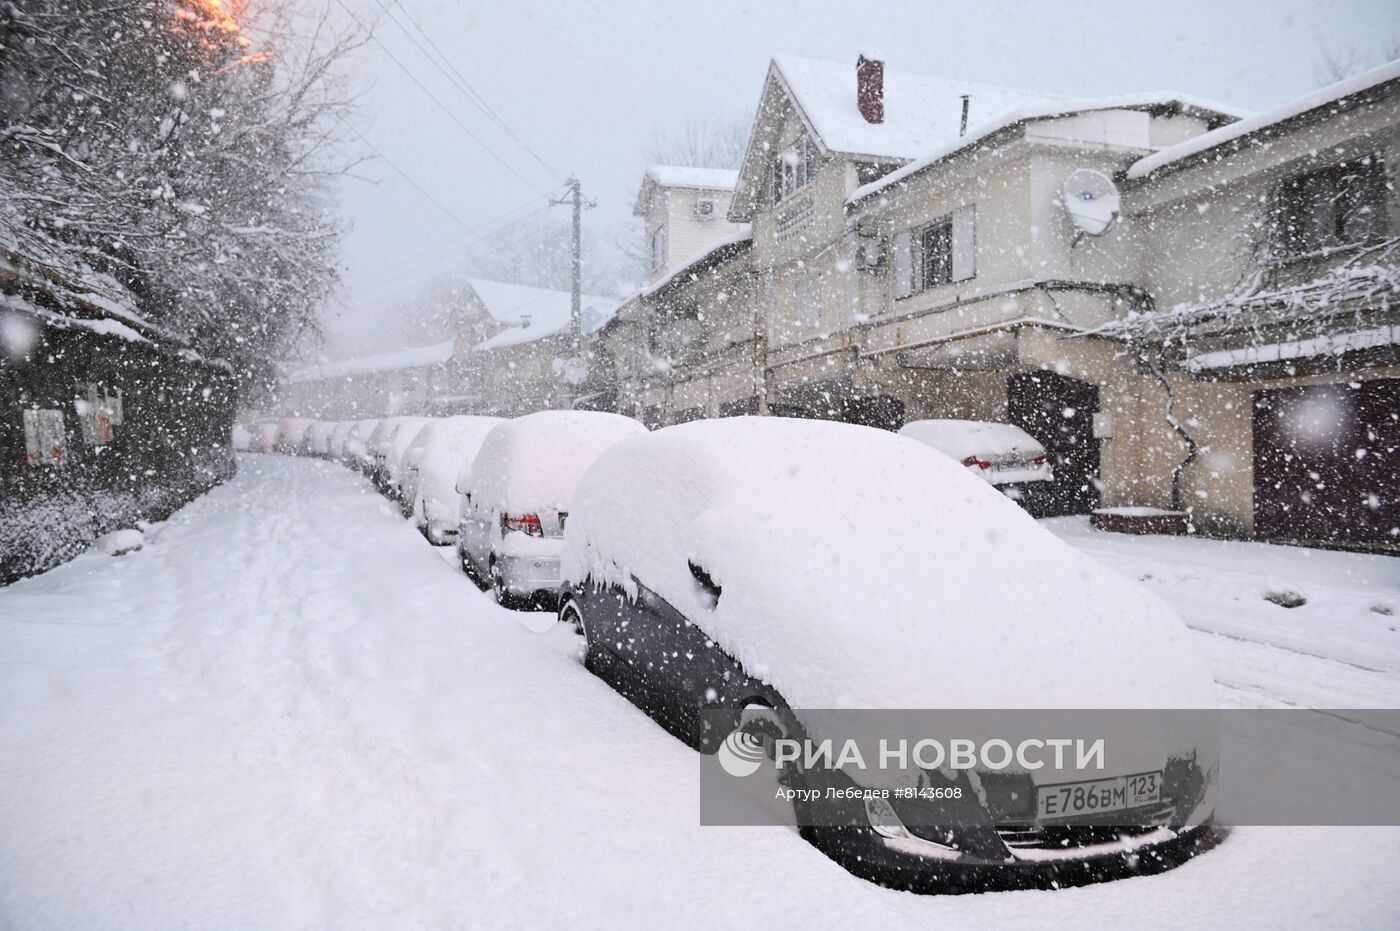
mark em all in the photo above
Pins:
pixel 1059 412
pixel 1327 463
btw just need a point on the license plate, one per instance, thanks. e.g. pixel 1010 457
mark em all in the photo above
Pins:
pixel 1070 799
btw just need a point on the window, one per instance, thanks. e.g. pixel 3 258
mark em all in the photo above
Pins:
pixel 936 253
pixel 793 169
pixel 866 172
pixel 937 249
pixel 1337 206
pixel 658 248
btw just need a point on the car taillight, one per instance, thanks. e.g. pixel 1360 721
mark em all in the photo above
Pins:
pixel 1039 460
pixel 528 524
pixel 974 462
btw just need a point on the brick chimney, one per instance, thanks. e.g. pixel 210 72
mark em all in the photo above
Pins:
pixel 870 89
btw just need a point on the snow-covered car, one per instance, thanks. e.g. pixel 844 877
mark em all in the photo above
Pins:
pixel 317 438
pixel 335 443
pixel 748 569
pixel 379 446
pixel 355 451
pixel 431 467
pixel 393 458
pixel 516 499
pixel 1000 453
pixel 290 433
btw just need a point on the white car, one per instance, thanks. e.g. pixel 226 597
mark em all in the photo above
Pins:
pixel 744 580
pixel 517 498
pixel 335 443
pixel 354 451
pixel 378 447
pixel 393 458
pixel 317 438
pixel 1000 453
pixel 290 433
pixel 431 467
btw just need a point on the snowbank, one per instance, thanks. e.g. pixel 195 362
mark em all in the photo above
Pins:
pixel 860 570
pixel 536 461
pixel 119 542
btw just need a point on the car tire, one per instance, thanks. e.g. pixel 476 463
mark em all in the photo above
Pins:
pixel 569 613
pixel 498 588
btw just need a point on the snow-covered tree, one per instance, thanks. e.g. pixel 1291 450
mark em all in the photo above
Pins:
pixel 155 143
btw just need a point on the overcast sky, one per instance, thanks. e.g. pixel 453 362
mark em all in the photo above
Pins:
pixel 587 85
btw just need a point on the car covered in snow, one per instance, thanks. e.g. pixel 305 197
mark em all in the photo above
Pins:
pixel 335 443
pixel 751 569
pixel 393 458
pixel 431 466
pixel 517 496
pixel 354 452
pixel 380 447
pixel 266 439
pixel 291 431
pixel 999 453
pixel 317 438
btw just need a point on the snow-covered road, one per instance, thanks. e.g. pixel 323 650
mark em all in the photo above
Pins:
pixel 290 711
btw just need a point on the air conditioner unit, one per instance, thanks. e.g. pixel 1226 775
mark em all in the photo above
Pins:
pixel 704 208
pixel 870 253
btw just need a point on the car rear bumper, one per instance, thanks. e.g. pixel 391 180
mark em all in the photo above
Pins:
pixel 440 532
pixel 530 575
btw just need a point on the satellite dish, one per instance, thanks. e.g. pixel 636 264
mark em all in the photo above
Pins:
pixel 1092 201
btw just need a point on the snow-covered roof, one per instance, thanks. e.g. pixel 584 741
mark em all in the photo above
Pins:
pixel 729 245
pixel 979 132
pixel 709 179
pixel 549 312
pixel 417 357
pixel 1332 94
pixel 679 176
pixel 921 111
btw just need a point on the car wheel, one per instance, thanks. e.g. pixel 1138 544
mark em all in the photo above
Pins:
pixel 498 587
pixel 569 613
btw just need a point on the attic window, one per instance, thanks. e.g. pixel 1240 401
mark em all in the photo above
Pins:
pixel 793 169
pixel 658 248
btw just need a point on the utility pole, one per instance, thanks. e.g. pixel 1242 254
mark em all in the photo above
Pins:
pixel 576 200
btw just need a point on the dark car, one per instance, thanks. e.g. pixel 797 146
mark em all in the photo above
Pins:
pixel 729 576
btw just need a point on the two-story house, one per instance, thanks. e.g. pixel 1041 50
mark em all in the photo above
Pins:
pixel 530 360
pixel 922 248
pixel 684 346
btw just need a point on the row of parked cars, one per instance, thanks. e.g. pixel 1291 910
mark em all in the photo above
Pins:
pixel 726 576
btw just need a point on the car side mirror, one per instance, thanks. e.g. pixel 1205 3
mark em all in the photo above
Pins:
pixel 707 584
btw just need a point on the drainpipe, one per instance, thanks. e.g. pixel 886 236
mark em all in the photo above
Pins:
pixel 1191 446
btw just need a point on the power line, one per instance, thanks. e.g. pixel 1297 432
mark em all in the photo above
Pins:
pixel 491 250
pixel 441 106
pixel 457 240
pixel 468 89
pixel 416 186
